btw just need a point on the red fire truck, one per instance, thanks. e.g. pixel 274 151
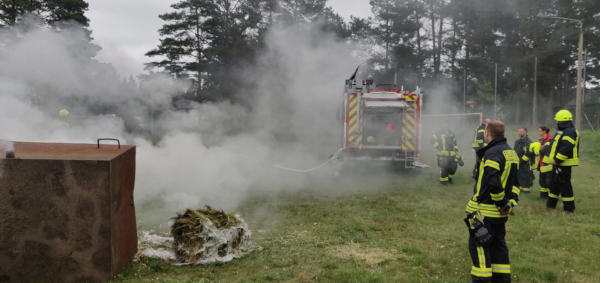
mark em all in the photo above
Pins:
pixel 382 124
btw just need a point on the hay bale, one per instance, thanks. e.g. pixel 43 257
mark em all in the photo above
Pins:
pixel 208 235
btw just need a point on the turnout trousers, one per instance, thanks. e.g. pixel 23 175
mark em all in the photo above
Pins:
pixel 544 184
pixel 491 263
pixel 561 186
pixel 525 177
pixel 448 168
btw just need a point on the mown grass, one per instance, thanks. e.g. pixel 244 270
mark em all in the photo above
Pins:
pixel 403 228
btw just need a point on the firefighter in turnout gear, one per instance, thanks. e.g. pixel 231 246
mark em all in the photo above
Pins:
pixel 444 141
pixel 563 154
pixel 496 194
pixel 525 174
pixel 543 168
pixel 478 143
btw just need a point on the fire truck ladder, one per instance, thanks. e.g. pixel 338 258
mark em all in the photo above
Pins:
pixel 410 158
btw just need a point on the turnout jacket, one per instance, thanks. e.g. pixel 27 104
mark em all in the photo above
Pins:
pixel 444 142
pixel 544 142
pixel 565 146
pixel 478 141
pixel 522 149
pixel 497 181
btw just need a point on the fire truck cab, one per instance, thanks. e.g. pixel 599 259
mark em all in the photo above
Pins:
pixel 382 124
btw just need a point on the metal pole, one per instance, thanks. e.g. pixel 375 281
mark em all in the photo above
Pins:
pixel 535 124
pixel 579 67
pixel 585 58
pixel 465 92
pixel 496 93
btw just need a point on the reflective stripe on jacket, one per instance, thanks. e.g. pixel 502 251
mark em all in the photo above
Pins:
pixel 478 141
pixel 565 147
pixel 497 180
pixel 444 142
pixel 544 142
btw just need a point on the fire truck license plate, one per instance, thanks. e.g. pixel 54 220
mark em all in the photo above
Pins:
pixel 354 144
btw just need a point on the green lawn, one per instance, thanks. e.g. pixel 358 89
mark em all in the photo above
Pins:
pixel 380 227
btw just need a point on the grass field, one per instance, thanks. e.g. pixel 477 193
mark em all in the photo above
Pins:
pixel 402 228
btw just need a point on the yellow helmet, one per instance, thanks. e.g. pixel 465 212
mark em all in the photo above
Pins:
pixel 370 139
pixel 563 115
pixel 535 146
pixel 63 113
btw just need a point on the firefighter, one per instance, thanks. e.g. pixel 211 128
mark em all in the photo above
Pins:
pixel 444 141
pixel 496 194
pixel 563 154
pixel 478 143
pixel 544 169
pixel 525 174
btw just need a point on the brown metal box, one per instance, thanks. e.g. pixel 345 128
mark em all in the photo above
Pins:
pixel 66 212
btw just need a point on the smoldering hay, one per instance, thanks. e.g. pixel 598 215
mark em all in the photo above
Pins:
pixel 201 236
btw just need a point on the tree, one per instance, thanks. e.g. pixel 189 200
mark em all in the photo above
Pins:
pixel 300 11
pixel 184 41
pixel 52 12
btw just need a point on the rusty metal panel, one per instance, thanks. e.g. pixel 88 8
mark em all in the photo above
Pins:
pixel 67 212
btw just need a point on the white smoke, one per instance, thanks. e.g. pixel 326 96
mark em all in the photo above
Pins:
pixel 214 154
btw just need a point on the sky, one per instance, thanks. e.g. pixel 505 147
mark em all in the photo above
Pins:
pixel 127 29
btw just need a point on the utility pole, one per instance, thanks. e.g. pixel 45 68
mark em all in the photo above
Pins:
pixel 579 71
pixel 535 124
pixel 464 97
pixel 584 78
pixel 496 93
pixel 579 66
pixel 465 92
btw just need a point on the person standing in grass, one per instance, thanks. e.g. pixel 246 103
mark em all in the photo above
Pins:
pixel 444 141
pixel 496 193
pixel 544 169
pixel 478 143
pixel 564 154
pixel 522 146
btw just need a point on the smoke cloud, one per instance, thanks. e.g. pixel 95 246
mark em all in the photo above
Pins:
pixel 214 154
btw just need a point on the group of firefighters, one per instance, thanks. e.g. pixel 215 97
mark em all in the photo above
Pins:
pixel 501 174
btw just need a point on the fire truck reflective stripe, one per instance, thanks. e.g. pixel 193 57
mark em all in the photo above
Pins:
pixel 353 120
pixel 351 138
pixel 352 112
pixel 353 101
pixel 359 139
pixel 409 124
pixel 352 128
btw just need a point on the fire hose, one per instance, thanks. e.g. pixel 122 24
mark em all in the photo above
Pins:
pixel 308 170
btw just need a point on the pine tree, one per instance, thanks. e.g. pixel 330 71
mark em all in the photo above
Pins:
pixel 185 39
pixel 52 12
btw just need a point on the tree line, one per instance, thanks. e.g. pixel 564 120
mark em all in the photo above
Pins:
pixel 430 43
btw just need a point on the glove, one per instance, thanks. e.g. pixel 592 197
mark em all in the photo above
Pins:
pixel 476 226
pixel 508 207
pixel 560 177
pixel 459 159
pixel 534 166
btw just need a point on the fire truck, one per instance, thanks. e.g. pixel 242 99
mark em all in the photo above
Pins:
pixel 381 124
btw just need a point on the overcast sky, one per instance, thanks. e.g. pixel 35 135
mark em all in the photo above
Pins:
pixel 127 29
